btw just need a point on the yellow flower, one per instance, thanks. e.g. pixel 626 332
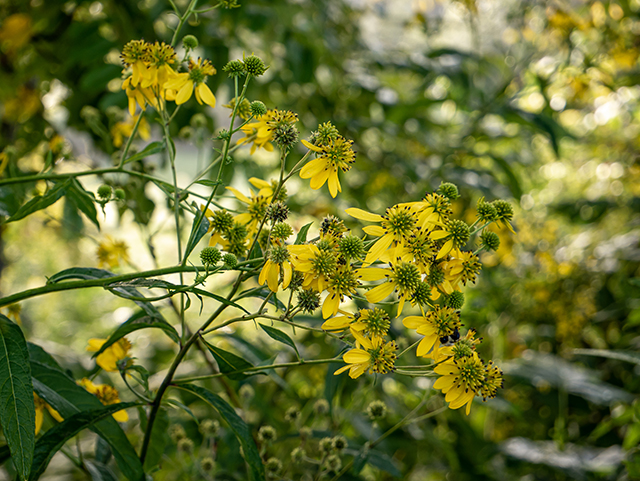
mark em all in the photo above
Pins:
pixel 436 325
pixel 461 379
pixel 41 405
pixel 369 322
pixel 316 265
pixel 136 94
pixel 336 155
pixel 181 86
pixel 256 204
pixel 123 130
pixel 396 228
pixel 403 278
pixel 116 352
pixel 16 32
pixel 376 355
pixel 112 252
pixel 277 262
pixel 133 55
pixel 159 58
pixel 261 132
pixel 106 395
pixel 342 282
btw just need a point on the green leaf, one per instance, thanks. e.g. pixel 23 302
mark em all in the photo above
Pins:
pixel 158 438
pixel 66 397
pixel 197 232
pixel 237 425
pixel 17 411
pixel 301 238
pixel 151 149
pixel 628 356
pixel 99 471
pixel 218 298
pixel 84 201
pixel 229 363
pixel 208 183
pixel 42 201
pixel 136 322
pixel 278 335
pixel 87 273
pixel 51 442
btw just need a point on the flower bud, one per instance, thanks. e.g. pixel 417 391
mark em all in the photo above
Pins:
pixel 278 212
pixel 210 256
pixel 281 231
pixel 207 464
pixel 455 300
pixel 185 446
pixel 291 415
pixel 235 68
pixel 273 465
pixel 321 406
pixel 120 194
pixel 255 66
pixel 230 261
pixel 104 192
pixel 298 455
pixel 490 240
pixel 267 434
pixel 449 190
pixel 209 427
pixel 377 410
pixel 190 42
pixel 308 300
pixel 258 108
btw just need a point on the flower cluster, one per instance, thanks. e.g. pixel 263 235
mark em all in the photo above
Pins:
pixel 152 76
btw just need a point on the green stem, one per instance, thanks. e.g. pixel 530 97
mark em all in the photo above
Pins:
pixel 183 19
pixel 301 362
pixel 65 286
pixel 129 140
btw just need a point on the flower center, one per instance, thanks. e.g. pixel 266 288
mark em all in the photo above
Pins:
pixel 399 222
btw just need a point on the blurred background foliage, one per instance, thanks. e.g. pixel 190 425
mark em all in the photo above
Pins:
pixel 537 102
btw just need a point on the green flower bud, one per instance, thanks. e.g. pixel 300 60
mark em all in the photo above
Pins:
pixel 459 231
pixel 325 134
pixel 185 445
pixel 104 192
pixel 326 445
pixel 198 121
pixel 235 68
pixel 190 42
pixel 449 190
pixel 298 455
pixel 258 108
pixel 210 256
pixel 120 194
pixel 422 294
pixel 177 432
pixel 321 406
pixel 255 66
pixel 207 464
pixel 291 415
pixel 333 463
pixel 281 231
pixel 455 300
pixel 490 240
pixel 209 427
pixel 273 465
pixel 351 247
pixel 486 211
pixel 339 443
pixel 230 261
pixel 308 300
pixel 285 135
pixel 376 410
pixel 504 209
pixel 221 221
pixel 267 434
pixel 278 212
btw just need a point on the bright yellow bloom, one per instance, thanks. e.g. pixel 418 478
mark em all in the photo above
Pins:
pixel 342 282
pixel 41 405
pixel 159 58
pixel 256 204
pixel 424 327
pixel 106 395
pixel 460 380
pixel 369 322
pixel 334 156
pixel 133 55
pixel 315 264
pixel 403 278
pixel 395 229
pixel 375 355
pixel 277 265
pixel 436 326
pixel 116 352
pixel 181 86
pixel 136 94
pixel 123 130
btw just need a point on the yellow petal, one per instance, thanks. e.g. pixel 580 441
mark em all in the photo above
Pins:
pixel 413 322
pixel 357 370
pixel 287 274
pixel 330 306
pixel 342 369
pixel 356 356
pixel 318 181
pixel 239 195
pixel 334 184
pixel 206 95
pixel 425 345
pixel 372 273
pixel 184 93
pixel 312 168
pixel 380 292
pixel 444 383
pixel 310 146
pixel 363 215
pixel 121 416
pixel 374 230
pixel 446 248
pixel 378 248
pixel 273 277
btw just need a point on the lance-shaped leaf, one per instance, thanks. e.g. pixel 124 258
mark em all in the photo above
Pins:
pixel 54 438
pixel 83 200
pixel 159 439
pixel 42 201
pixel 198 231
pixel 66 397
pixel 140 320
pixel 17 411
pixel 301 238
pixel 237 425
pixel 151 149
pixel 278 335
pixel 229 363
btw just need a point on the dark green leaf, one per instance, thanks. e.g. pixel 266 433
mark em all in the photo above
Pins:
pixel 237 425
pixel 218 298
pixel 66 397
pixel 99 471
pixel 302 234
pixel 159 439
pixel 199 229
pixel 151 149
pixel 83 200
pixel 42 201
pixel 173 402
pixel 229 363
pixel 17 411
pixel 103 451
pixel 136 322
pixel 278 335
pixel 207 182
pixel 5 453
pixel 54 438
pixel 143 374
